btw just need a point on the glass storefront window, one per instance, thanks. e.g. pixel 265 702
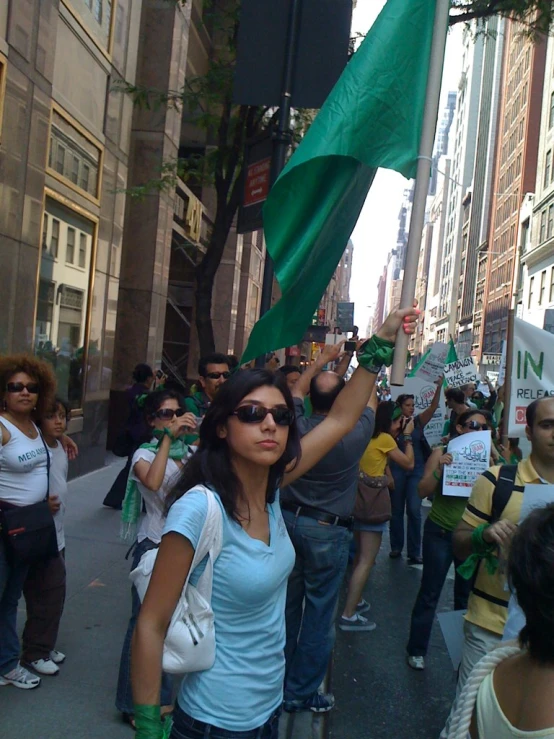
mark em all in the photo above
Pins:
pixel 63 297
pixel 73 156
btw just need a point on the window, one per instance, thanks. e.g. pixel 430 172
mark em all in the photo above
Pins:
pixel 3 70
pixel 551 117
pixel 75 155
pixel 55 237
pixel 254 298
pixel 82 249
pixel 45 233
pixel 70 246
pixel 75 171
pixel 60 159
pixel 98 11
pixel 63 298
pixel 547 169
pixel 531 287
pixel 551 296
pixel 543 227
pixel 543 286
pixel 550 229
pixel 96 16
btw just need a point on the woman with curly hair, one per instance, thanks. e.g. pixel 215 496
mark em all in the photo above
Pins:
pixel 27 387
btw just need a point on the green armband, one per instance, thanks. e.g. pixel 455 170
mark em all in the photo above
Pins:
pixel 437 477
pixel 481 550
pixel 149 724
pixel 375 353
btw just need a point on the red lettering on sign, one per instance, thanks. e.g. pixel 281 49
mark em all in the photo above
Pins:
pixel 521 416
pixel 256 187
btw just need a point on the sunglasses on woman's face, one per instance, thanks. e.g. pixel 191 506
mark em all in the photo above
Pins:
pixel 167 414
pixel 216 375
pixel 257 413
pixel 19 387
pixel 476 426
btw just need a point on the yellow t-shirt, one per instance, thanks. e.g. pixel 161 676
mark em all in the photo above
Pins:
pixel 488 602
pixel 375 458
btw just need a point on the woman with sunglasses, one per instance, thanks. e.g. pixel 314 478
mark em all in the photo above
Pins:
pixel 249 447
pixel 443 518
pixel 27 387
pixel 404 495
pixel 154 469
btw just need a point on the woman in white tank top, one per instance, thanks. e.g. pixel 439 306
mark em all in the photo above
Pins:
pixel 27 386
pixel 509 693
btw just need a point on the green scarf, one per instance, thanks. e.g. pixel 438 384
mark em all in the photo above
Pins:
pixel 132 503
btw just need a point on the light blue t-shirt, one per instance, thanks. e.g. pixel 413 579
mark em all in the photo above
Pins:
pixel 245 685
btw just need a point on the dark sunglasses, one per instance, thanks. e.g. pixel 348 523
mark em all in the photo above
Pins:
pixel 257 413
pixel 167 414
pixel 19 387
pixel 476 426
pixel 216 375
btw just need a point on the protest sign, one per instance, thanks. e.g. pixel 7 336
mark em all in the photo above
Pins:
pixel 452 627
pixel 470 458
pixel 433 365
pixel 532 375
pixel 461 372
pixel 423 393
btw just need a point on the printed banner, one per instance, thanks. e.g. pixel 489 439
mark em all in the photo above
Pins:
pixel 532 372
pixel 433 365
pixel 471 457
pixel 461 372
pixel 423 393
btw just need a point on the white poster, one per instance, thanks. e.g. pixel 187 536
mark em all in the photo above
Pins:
pixel 424 393
pixel 461 372
pixel 532 372
pixel 433 366
pixel 470 458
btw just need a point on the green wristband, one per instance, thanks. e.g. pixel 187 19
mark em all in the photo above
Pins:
pixel 375 353
pixel 149 724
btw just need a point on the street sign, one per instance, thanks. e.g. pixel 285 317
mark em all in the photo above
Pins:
pixel 257 184
pixel 345 316
pixel 256 188
pixel 316 334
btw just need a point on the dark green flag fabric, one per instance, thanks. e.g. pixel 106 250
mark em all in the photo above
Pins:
pixel 372 118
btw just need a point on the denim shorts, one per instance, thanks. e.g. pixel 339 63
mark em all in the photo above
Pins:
pixel 186 727
pixel 376 527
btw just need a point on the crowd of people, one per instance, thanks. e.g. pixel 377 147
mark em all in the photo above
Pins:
pixel 308 471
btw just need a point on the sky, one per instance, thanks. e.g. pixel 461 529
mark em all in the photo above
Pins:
pixel 375 233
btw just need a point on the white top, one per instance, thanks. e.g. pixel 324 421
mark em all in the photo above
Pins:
pixel 153 522
pixel 23 468
pixel 58 486
pixel 491 721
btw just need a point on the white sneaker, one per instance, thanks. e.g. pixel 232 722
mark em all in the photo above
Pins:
pixel 356 623
pixel 416 663
pixel 57 657
pixel 19 677
pixel 45 666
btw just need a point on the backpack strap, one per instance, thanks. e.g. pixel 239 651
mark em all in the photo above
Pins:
pixel 503 489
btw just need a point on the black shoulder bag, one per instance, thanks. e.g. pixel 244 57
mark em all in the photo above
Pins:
pixel 29 532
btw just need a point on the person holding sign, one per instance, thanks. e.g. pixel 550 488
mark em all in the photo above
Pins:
pixel 404 496
pixel 485 532
pixel 443 518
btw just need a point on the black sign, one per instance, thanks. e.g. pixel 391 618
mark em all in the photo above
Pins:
pixel 316 334
pixel 345 316
pixel 321 56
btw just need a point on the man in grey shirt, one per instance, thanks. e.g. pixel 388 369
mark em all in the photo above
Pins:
pixel 317 509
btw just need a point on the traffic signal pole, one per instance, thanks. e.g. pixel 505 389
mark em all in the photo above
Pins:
pixel 282 139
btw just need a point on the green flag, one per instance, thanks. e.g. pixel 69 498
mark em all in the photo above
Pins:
pixel 372 118
pixel 452 355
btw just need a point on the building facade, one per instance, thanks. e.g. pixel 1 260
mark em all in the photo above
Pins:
pixel 515 175
pixel 64 153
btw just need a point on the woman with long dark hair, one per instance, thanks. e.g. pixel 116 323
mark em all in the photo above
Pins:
pixel 249 446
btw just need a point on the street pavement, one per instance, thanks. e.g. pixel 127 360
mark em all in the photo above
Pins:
pixel 377 695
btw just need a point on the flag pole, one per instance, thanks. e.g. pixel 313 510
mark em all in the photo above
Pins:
pixel 508 378
pixel 432 99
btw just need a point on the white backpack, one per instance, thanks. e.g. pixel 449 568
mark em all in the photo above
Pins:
pixel 189 644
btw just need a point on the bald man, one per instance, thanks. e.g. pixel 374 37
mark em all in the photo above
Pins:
pixel 317 509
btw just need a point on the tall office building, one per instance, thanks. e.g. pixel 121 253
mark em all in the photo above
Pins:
pixel 479 195
pixel 515 175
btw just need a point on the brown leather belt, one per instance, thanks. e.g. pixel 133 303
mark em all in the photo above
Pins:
pixel 323 516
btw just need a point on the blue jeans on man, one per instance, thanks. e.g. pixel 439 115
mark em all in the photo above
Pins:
pixel 312 597
pixel 11 587
pixel 437 558
pixel 405 497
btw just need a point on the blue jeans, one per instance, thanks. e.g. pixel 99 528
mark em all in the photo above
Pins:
pixel 405 497
pixel 437 558
pixel 124 697
pixel 185 727
pixel 11 587
pixel 321 560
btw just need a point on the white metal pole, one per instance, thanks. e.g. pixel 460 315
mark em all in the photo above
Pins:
pixel 432 100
